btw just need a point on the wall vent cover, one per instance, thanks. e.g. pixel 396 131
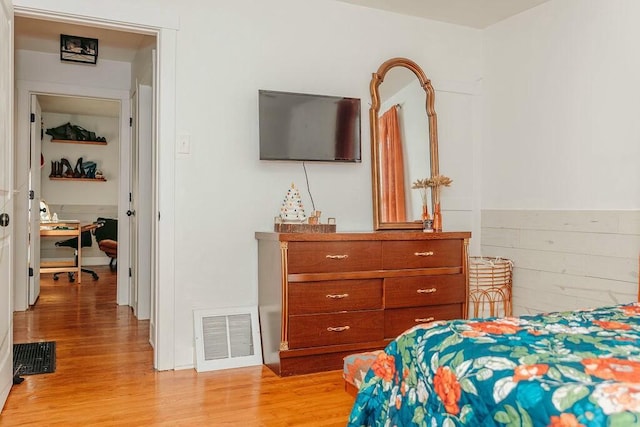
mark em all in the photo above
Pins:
pixel 227 338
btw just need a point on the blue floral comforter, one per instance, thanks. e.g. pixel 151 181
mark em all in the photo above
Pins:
pixel 570 369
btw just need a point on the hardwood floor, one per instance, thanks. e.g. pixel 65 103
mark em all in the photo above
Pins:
pixel 104 374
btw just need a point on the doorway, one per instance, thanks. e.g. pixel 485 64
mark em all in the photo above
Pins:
pixel 71 180
pixel 164 26
pixel 86 89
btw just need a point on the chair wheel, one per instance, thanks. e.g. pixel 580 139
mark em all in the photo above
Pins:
pixel 95 277
pixel 55 277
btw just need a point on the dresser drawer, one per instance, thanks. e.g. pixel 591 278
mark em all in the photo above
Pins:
pixel 424 290
pixel 331 257
pixel 335 295
pixel 399 320
pixel 421 254
pixel 335 328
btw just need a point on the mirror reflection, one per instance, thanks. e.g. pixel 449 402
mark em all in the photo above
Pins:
pixel 404 144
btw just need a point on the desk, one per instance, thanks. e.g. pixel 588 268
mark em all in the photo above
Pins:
pixel 69 229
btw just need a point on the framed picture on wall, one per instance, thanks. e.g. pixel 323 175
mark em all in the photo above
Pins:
pixel 78 49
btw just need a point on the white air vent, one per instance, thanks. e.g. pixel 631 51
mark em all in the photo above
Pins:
pixel 227 338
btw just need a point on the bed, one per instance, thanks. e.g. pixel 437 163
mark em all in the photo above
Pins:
pixel 578 368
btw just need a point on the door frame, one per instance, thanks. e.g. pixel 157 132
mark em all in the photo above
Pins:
pixel 163 23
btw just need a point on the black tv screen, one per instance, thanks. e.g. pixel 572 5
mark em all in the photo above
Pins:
pixel 296 126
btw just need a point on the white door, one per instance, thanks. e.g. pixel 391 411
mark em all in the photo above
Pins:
pixel 131 213
pixel 140 202
pixel 6 198
pixel 34 199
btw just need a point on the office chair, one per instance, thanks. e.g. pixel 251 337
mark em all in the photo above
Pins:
pixel 107 238
pixel 73 243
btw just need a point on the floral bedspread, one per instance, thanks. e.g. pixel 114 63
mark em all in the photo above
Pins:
pixel 579 368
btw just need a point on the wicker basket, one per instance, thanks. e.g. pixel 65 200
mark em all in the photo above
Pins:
pixel 490 282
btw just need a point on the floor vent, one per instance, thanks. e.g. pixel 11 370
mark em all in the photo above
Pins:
pixel 227 338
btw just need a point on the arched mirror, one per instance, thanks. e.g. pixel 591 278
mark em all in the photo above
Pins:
pixel 404 144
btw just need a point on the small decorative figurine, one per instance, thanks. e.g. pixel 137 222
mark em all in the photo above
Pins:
pixel 292 209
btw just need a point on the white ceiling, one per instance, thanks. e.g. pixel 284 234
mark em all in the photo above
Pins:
pixel 470 13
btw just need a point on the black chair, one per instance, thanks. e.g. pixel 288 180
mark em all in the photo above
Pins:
pixel 107 238
pixel 85 241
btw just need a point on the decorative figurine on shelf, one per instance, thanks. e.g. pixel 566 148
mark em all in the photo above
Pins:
pixel 292 210
pixel 437 182
pixel 315 217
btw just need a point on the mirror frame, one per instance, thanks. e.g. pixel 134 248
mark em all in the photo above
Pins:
pixel 425 83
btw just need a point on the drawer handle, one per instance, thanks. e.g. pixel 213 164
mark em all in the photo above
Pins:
pixel 338 328
pixel 337 296
pixel 428 253
pixel 427 291
pixel 425 320
pixel 337 256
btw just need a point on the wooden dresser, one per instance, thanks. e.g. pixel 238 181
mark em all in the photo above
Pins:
pixel 324 296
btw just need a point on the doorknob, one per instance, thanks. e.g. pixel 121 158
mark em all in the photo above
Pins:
pixel 4 220
pixel 130 212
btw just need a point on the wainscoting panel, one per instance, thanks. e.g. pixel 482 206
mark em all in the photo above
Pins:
pixel 565 260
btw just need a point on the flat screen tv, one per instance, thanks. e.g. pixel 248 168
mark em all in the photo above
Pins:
pixel 297 126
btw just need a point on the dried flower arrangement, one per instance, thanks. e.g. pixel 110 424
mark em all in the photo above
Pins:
pixel 422 185
pixel 435 183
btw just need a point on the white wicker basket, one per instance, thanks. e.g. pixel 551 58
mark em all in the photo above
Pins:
pixel 490 282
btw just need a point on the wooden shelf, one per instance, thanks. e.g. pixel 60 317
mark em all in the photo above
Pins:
pixel 73 141
pixel 56 178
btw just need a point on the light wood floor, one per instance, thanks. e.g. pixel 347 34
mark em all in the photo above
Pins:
pixel 104 374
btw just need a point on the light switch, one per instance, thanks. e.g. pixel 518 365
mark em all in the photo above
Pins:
pixel 184 143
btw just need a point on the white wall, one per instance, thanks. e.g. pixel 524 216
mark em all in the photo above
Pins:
pixel 44 67
pixel 560 175
pixel 562 89
pixel 229 50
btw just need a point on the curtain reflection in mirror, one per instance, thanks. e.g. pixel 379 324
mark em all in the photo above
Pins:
pixel 393 201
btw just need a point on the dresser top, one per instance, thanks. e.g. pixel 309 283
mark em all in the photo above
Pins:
pixel 372 236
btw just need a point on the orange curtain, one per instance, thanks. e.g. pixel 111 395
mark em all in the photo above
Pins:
pixel 392 162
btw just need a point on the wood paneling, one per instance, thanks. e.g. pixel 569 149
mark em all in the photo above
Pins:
pixel 105 377
pixel 566 259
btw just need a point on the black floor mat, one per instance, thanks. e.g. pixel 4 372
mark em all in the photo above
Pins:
pixel 34 358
